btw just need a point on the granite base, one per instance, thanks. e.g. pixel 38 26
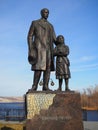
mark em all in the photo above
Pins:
pixel 53 111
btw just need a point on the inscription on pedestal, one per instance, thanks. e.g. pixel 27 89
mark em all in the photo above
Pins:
pixel 36 102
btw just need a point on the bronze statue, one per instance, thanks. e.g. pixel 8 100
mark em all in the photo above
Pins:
pixel 41 37
pixel 62 62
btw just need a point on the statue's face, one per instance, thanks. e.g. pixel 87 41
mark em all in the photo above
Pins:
pixel 45 14
pixel 60 39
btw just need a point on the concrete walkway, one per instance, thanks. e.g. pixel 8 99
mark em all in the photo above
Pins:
pixel 90 125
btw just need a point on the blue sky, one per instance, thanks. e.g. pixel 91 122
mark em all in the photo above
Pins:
pixel 77 20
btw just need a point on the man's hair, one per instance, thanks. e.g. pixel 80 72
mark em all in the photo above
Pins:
pixel 42 10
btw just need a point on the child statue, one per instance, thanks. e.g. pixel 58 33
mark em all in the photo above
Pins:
pixel 61 52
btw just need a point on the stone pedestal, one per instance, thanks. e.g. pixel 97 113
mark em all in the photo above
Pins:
pixel 53 111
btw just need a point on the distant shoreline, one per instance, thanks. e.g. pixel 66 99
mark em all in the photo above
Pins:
pixel 11 99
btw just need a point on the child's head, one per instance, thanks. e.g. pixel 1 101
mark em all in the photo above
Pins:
pixel 60 39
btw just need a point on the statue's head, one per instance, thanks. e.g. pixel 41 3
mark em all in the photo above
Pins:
pixel 44 13
pixel 60 39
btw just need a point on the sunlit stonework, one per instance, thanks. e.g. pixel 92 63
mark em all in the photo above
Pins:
pixel 37 102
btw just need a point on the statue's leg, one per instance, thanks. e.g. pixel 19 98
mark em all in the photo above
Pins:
pixel 46 77
pixel 46 73
pixel 36 79
pixel 66 84
pixel 60 84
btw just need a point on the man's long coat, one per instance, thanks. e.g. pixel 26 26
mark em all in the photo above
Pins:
pixel 41 36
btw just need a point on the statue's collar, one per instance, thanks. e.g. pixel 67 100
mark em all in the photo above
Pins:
pixel 44 20
pixel 42 23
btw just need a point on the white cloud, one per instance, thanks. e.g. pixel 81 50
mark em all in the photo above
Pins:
pixel 85 67
pixel 87 58
pixel 83 59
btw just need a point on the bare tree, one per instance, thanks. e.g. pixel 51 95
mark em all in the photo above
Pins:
pixel 89 97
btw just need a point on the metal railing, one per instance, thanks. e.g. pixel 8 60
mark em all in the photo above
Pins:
pixel 12 114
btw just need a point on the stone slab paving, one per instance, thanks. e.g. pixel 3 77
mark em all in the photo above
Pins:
pixel 90 125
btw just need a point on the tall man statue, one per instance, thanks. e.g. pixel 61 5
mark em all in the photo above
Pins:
pixel 41 37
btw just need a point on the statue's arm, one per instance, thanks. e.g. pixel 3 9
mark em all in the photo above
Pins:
pixel 67 51
pixel 53 34
pixel 30 36
pixel 55 53
pixel 64 51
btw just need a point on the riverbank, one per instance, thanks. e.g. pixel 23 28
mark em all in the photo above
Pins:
pixel 12 124
pixel 11 99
